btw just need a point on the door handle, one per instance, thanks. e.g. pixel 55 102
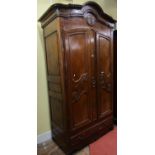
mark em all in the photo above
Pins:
pixel 93 81
pixel 102 79
pixel 101 76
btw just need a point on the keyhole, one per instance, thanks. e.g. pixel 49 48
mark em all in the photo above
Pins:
pixel 92 55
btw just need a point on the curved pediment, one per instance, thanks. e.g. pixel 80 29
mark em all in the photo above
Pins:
pixel 91 11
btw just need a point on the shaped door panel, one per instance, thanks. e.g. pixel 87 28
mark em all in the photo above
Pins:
pixel 104 65
pixel 78 71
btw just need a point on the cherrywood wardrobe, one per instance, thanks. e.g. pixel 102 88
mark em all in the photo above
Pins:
pixel 79 55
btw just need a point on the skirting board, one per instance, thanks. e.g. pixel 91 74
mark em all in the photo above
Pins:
pixel 44 137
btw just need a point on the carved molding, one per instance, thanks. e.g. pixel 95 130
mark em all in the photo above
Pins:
pixel 79 88
pixel 82 78
pixel 90 18
pixel 104 81
pixel 75 10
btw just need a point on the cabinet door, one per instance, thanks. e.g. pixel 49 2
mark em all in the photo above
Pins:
pixel 104 65
pixel 77 55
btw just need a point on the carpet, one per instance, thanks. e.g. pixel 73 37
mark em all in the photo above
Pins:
pixel 106 145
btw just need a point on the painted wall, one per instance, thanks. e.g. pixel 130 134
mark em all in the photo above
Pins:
pixel 43 117
pixel 43 122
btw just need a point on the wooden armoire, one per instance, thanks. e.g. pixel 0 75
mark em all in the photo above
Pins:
pixel 79 55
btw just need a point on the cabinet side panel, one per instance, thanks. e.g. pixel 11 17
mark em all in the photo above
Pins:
pixel 55 75
pixel 54 83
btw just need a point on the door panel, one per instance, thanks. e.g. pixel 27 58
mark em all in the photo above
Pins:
pixel 104 64
pixel 78 70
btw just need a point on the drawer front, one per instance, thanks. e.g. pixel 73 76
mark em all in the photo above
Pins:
pixel 91 132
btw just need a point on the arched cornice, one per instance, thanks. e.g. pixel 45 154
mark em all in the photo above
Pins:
pixel 75 10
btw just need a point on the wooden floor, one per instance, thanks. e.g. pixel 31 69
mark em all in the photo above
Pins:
pixel 50 148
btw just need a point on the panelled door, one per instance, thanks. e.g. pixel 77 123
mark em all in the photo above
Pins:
pixel 89 69
pixel 80 76
pixel 104 74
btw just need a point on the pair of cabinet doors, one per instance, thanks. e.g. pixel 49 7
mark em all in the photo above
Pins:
pixel 89 80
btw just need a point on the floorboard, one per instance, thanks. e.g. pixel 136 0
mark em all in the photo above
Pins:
pixel 51 148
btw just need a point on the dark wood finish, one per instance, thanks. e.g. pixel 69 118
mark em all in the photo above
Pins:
pixel 115 77
pixel 78 82
pixel 79 56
